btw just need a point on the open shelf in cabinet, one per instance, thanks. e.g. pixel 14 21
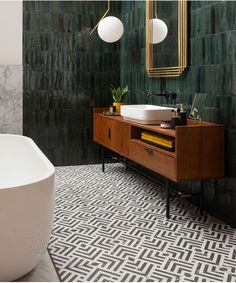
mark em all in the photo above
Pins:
pixel 136 133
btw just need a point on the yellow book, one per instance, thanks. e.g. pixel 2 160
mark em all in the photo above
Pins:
pixel 170 146
pixel 158 136
pixel 157 139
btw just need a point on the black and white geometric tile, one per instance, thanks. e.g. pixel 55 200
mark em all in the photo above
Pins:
pixel 111 227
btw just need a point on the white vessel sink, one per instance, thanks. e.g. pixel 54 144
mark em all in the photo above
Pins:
pixel 145 113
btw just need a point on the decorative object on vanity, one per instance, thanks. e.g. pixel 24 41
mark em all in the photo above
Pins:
pixel 110 29
pixel 197 106
pixel 169 57
pixel 109 113
pixel 118 95
pixel 179 117
pixel 165 124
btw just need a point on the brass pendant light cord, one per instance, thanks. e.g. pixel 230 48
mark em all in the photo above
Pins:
pixel 108 9
pixel 155 8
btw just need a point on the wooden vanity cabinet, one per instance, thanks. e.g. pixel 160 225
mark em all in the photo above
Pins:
pixel 199 147
pixel 198 153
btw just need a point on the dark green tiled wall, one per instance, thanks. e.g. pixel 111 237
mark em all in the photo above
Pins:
pixel 66 73
pixel 212 69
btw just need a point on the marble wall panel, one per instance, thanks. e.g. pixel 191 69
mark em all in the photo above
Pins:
pixel 11 99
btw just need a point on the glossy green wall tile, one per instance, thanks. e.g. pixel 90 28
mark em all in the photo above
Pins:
pixel 66 73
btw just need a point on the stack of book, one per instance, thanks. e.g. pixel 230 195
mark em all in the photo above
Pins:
pixel 159 140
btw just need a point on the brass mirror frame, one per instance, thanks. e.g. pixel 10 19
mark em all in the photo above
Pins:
pixel 174 71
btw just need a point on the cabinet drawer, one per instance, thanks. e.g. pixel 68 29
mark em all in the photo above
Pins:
pixel 149 157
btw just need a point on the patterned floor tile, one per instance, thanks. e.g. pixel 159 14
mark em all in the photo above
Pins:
pixel 111 227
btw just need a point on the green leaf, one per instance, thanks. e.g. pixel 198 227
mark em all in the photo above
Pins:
pixel 118 93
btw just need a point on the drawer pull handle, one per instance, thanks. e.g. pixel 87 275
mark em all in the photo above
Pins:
pixel 109 133
pixel 149 150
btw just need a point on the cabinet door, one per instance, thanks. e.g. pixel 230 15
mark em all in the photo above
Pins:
pixel 119 137
pixel 112 134
pixel 98 130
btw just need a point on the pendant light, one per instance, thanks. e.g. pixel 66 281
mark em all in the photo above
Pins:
pixel 158 29
pixel 110 29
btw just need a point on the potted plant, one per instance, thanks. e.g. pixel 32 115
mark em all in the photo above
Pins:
pixel 118 94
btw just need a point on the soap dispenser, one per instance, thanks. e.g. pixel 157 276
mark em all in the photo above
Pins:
pixel 182 115
pixel 175 121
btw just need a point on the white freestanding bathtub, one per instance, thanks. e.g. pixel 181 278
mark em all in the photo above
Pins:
pixel 26 205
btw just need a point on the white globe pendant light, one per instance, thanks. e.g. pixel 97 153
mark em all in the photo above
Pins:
pixel 158 30
pixel 110 29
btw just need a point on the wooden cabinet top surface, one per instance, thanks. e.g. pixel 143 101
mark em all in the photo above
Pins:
pixel 157 128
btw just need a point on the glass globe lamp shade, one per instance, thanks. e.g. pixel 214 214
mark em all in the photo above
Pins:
pixel 158 31
pixel 110 29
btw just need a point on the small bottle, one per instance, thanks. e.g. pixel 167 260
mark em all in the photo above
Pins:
pixel 112 109
pixel 175 121
pixel 182 115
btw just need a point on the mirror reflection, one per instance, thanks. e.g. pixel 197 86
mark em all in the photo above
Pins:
pixel 165 54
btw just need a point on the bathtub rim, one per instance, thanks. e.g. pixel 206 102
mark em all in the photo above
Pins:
pixel 50 167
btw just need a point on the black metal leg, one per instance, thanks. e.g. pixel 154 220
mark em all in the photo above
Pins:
pixel 201 197
pixel 167 198
pixel 103 159
pixel 127 164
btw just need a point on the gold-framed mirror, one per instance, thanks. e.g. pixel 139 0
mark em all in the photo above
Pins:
pixel 169 57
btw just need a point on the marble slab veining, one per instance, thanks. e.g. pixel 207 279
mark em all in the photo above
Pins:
pixel 11 99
